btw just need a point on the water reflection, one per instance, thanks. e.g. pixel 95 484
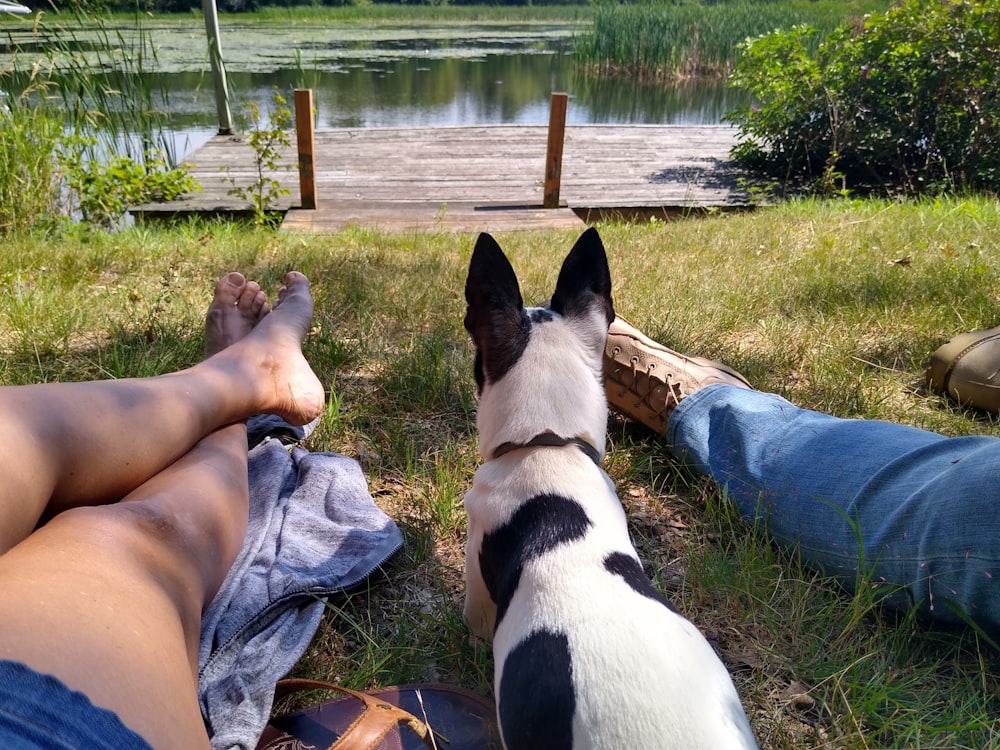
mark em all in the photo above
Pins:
pixel 494 89
pixel 412 75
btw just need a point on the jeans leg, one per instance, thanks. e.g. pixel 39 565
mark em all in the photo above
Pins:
pixel 887 504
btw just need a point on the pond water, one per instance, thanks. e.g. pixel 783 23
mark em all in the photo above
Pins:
pixel 412 74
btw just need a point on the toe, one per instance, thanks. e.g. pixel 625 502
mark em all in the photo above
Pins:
pixel 294 278
pixel 260 306
pixel 248 297
pixel 229 288
pixel 295 284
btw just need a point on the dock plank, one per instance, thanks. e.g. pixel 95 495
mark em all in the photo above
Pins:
pixel 401 177
pixel 396 216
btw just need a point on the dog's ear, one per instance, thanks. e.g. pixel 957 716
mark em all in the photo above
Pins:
pixel 494 316
pixel 584 279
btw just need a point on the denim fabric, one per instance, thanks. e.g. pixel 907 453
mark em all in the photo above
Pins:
pixel 38 712
pixel 913 512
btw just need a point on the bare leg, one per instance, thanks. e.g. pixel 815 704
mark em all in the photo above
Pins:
pixel 72 444
pixel 109 599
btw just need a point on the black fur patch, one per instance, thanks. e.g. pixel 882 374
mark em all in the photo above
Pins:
pixel 541 524
pixel 493 361
pixel 540 315
pixel 537 700
pixel 584 279
pixel 494 315
pixel 629 569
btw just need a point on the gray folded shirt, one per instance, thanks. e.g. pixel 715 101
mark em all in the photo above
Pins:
pixel 313 530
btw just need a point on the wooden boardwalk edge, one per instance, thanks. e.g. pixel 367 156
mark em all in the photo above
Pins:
pixel 477 177
pixel 428 217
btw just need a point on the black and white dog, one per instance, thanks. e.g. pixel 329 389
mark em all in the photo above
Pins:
pixel 588 653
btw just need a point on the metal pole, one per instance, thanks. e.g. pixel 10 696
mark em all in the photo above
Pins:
pixel 218 69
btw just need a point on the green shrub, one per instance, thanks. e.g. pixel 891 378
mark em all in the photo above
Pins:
pixel 84 131
pixel 102 189
pixel 902 101
pixel 267 142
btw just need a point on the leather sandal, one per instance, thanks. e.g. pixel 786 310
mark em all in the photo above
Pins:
pixel 406 717
pixel 967 369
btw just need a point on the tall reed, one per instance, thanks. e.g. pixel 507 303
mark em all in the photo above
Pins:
pixel 85 122
pixel 665 39
pixel 100 76
pixel 29 186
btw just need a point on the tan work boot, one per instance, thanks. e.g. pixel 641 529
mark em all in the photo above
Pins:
pixel 645 380
pixel 967 368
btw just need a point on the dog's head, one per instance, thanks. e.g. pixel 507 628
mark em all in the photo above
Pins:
pixel 539 369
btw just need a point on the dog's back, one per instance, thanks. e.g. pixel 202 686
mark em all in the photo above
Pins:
pixel 588 653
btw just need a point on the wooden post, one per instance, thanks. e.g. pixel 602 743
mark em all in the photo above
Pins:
pixel 553 158
pixel 306 137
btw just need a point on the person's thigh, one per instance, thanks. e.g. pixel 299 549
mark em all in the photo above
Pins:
pixel 90 599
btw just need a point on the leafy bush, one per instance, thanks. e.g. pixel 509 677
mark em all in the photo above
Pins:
pixel 83 128
pixel 102 189
pixel 902 101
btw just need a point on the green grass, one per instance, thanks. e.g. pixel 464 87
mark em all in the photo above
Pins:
pixel 674 40
pixel 28 178
pixel 836 305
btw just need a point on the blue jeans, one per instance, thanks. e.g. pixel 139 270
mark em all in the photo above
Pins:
pixel 39 711
pixel 913 512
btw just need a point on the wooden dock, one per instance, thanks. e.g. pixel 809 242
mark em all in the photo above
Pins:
pixel 488 178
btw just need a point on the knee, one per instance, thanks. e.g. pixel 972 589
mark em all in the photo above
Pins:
pixel 127 555
pixel 144 542
pixel 126 527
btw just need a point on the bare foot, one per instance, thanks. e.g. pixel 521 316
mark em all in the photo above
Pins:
pixel 237 306
pixel 267 346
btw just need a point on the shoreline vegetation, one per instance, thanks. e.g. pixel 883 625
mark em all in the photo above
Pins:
pixel 688 40
pixel 657 40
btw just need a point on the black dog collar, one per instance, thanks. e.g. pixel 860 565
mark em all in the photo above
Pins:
pixel 551 439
